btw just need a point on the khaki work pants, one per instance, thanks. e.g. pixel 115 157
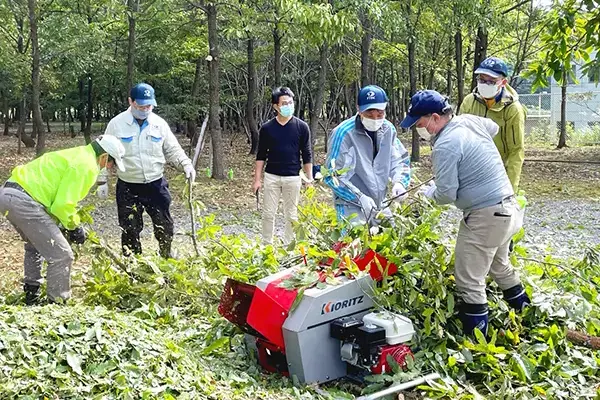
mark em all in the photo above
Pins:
pixel 482 247
pixel 276 187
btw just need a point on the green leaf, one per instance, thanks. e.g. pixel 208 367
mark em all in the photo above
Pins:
pixel 450 304
pixel 521 367
pixel 216 345
pixel 451 361
pixel 479 336
pixel 74 362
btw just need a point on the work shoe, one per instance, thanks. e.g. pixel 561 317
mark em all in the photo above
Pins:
pixel 166 252
pixel 516 297
pixel 474 316
pixel 32 294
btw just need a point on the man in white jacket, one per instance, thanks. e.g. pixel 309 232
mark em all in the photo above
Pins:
pixel 149 143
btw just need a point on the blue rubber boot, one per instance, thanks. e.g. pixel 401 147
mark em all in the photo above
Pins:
pixel 474 316
pixel 516 297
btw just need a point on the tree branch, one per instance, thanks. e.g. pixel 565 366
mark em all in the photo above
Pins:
pixel 523 2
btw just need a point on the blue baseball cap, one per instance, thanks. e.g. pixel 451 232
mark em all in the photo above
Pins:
pixel 423 103
pixel 372 97
pixel 493 67
pixel 143 94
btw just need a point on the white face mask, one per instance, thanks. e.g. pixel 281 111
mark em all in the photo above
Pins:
pixel 488 91
pixel 372 125
pixel 423 132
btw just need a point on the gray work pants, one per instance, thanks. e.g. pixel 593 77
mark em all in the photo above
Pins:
pixel 43 240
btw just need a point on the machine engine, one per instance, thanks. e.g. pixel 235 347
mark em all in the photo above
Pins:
pixel 366 344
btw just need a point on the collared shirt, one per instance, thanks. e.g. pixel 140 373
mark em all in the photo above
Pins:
pixel 467 166
pixel 147 147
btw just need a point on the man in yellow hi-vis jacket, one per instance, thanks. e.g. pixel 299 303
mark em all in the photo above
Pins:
pixel 495 99
pixel 44 193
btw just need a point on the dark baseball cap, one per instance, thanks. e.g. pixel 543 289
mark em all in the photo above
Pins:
pixel 423 103
pixel 143 94
pixel 372 97
pixel 494 67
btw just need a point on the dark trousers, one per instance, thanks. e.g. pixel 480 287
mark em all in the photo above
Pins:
pixel 132 200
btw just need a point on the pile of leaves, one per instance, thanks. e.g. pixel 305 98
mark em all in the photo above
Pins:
pixel 148 328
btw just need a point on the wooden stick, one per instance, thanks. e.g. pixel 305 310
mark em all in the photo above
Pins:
pixel 197 152
pixel 582 339
pixel 192 218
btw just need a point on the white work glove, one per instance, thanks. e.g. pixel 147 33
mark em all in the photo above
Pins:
pixel 368 206
pixel 386 213
pixel 428 190
pixel 190 172
pixel 399 192
pixel 102 191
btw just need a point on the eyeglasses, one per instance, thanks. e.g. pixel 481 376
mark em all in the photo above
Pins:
pixel 487 81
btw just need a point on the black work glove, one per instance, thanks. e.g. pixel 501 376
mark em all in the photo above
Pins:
pixel 77 235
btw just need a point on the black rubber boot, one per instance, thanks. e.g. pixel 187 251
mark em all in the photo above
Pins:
pixel 474 316
pixel 32 294
pixel 516 297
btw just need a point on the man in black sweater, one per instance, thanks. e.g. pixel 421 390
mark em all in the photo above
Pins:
pixel 282 140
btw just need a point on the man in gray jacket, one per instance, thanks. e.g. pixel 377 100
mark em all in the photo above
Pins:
pixel 469 172
pixel 367 149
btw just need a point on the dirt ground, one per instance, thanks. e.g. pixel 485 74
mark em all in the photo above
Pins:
pixel 563 213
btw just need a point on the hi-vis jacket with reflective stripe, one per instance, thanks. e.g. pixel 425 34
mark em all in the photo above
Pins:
pixel 350 147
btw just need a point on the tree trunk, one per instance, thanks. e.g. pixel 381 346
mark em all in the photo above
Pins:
pixel 392 94
pixel 277 55
pixel 562 140
pixel 315 112
pixel 524 46
pixel 348 101
pixel 460 77
pixel 193 122
pixel 87 133
pixel 218 169
pixel 6 117
pixel 250 120
pixel 481 44
pixel 27 140
pixel 449 68
pixel 131 10
pixel 365 49
pixel 412 76
pixel 81 105
pixel 35 79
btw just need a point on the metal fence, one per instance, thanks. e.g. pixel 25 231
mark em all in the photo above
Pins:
pixel 543 111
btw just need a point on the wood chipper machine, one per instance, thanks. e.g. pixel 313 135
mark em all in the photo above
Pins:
pixel 333 330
